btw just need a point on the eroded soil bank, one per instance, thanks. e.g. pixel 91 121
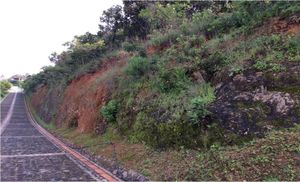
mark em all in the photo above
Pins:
pixel 79 104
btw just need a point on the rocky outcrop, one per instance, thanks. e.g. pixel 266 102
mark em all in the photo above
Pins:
pixel 252 102
pixel 281 103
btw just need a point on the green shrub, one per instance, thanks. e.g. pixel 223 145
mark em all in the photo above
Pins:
pixel 236 70
pixel 137 67
pixel 214 62
pixel 201 20
pixel 110 110
pixel 293 48
pixel 199 110
pixel 174 134
pixel 263 66
pixel 163 135
pixel 171 80
pixel 129 47
pixel 4 87
pixel 158 38
pixel 260 65
pixel 277 67
pixel 142 52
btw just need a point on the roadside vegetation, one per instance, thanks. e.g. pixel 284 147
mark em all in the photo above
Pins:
pixel 273 158
pixel 4 88
pixel 203 91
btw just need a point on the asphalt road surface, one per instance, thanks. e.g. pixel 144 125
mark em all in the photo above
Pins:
pixel 27 155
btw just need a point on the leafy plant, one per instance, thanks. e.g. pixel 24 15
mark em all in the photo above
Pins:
pixel 129 47
pixel 137 67
pixel 110 110
pixel 4 87
pixel 200 103
pixel 261 65
pixel 173 80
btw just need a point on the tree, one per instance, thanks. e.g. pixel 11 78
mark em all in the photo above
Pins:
pixel 112 23
pixel 165 16
pixel 134 24
pixel 54 57
pixel 87 38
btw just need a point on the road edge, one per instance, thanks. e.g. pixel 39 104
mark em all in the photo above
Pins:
pixel 84 160
pixel 9 113
pixel 4 97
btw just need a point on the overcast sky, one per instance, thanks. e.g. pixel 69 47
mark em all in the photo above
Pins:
pixel 30 30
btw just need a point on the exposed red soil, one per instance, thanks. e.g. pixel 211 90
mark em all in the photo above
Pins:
pixel 156 48
pixel 84 97
pixel 278 25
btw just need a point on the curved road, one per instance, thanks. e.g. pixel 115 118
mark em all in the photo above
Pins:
pixel 29 155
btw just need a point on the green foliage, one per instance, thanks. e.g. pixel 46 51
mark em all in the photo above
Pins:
pixel 166 121
pixel 173 134
pixel 161 135
pixel 260 65
pixel 132 47
pixel 137 67
pixel 164 16
pixel 186 49
pixel 293 48
pixel 129 47
pixel 202 20
pixel 110 110
pixel 113 20
pixel 174 80
pixel 4 87
pixel 159 100
pixel 158 38
pixel 236 70
pixel 200 103
pixel 214 62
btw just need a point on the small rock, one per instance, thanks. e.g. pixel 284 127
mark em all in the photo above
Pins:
pixel 124 174
pixel 115 172
pixel 239 78
pixel 198 77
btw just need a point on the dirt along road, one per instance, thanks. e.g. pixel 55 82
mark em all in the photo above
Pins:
pixel 27 154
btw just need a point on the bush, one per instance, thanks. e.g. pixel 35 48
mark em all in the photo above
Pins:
pixel 174 80
pixel 213 63
pixel 142 52
pixel 137 67
pixel 199 110
pixel 129 47
pixel 4 87
pixel 261 65
pixel 293 48
pixel 163 135
pixel 201 20
pixel 110 111
pixel 167 38
pixel 165 121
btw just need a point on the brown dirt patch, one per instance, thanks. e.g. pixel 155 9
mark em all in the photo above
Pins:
pixel 278 25
pixel 84 97
pixel 156 48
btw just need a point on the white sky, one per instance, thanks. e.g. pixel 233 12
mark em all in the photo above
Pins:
pixel 30 30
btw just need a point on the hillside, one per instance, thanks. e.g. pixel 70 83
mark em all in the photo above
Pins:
pixel 185 91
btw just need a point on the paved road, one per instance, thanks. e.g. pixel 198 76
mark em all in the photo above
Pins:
pixel 26 155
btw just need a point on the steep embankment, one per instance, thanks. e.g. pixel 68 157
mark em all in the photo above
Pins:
pixel 204 92
pixel 79 104
pixel 248 99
